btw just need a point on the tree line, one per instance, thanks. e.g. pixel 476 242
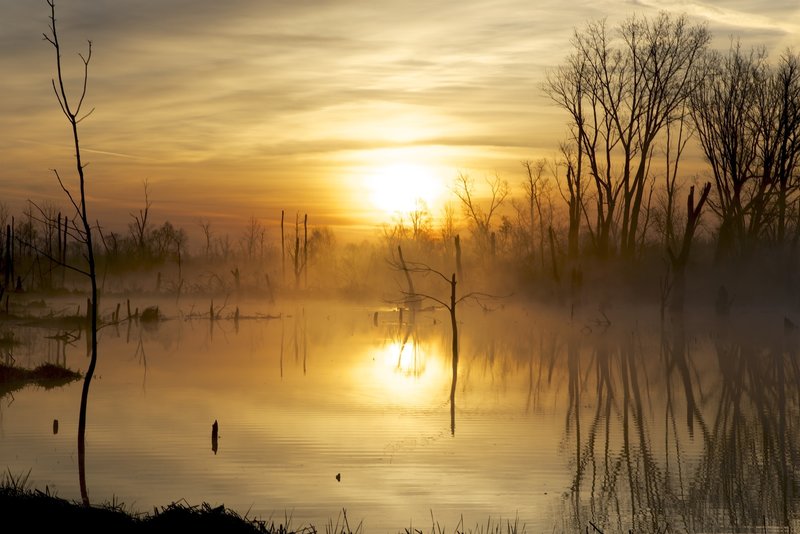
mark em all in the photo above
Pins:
pixel 635 96
pixel 638 97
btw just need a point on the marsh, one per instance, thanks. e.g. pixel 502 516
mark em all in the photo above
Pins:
pixel 321 406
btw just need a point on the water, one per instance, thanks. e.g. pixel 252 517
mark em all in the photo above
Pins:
pixel 557 424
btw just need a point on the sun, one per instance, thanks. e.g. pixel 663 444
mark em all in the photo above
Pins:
pixel 403 188
pixel 411 373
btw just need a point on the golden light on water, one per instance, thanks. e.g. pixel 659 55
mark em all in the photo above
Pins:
pixel 409 373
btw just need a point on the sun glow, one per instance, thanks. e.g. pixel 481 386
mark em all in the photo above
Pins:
pixel 404 188
pixel 408 372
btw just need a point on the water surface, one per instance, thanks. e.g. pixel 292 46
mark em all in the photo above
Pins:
pixel 554 422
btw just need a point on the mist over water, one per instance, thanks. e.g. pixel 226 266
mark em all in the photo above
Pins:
pixel 321 406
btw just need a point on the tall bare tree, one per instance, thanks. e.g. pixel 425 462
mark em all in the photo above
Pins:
pixel 621 89
pixel 72 110
pixel 477 214
pixel 778 124
pixel 139 228
pixel 533 187
pixel 572 160
pixel 747 115
pixel 721 109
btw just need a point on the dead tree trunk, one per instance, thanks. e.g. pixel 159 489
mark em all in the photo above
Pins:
pixel 679 261
pixel 283 250
pixel 412 295
pixel 454 328
pixel 297 251
pixel 305 250
pixel 75 116
pixel 458 258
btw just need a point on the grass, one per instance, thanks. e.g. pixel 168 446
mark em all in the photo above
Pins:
pixel 39 511
pixel 47 376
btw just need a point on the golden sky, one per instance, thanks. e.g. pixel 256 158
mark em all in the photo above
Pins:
pixel 243 108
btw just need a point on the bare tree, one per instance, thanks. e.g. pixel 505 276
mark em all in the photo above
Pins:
pixel 777 122
pixel 450 303
pixel 447 229
pixel 786 85
pixel 478 216
pixel 420 220
pixel 139 227
pixel 253 236
pixel 73 112
pixel 621 93
pixel 533 213
pixel 721 110
pixel 677 136
pixel 300 255
pixel 572 160
pixel 5 245
pixel 679 258
pixel 208 235
pixel 747 115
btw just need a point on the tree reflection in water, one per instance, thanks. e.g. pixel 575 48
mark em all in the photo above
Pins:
pixel 684 442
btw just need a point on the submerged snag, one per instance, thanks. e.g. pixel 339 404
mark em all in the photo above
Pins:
pixel 214 436
pixel 150 314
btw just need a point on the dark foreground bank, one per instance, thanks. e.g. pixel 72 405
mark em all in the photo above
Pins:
pixel 23 510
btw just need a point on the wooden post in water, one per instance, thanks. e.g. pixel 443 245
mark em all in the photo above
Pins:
pixel 283 250
pixel 297 251
pixel 215 436
pixel 305 251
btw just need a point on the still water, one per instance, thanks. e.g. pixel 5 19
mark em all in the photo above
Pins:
pixel 554 422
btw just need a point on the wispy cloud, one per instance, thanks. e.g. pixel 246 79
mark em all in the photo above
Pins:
pixel 780 16
pixel 205 92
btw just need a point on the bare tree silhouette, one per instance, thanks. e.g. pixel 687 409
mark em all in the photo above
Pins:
pixel 747 114
pixel 73 112
pixel 621 89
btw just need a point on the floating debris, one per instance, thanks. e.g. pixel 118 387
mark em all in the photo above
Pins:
pixel 150 314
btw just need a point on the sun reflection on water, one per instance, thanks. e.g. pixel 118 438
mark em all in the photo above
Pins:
pixel 408 372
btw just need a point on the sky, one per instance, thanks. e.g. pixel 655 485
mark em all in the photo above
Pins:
pixel 334 108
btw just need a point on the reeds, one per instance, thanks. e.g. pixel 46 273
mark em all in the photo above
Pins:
pixel 43 511
pixel 40 511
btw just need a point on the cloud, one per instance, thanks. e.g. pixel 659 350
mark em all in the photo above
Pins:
pixel 195 90
pixel 780 17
